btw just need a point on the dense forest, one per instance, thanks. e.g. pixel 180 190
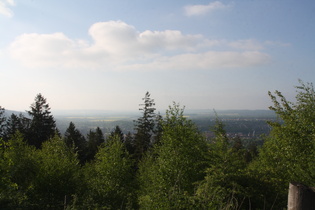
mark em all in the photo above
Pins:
pixel 166 163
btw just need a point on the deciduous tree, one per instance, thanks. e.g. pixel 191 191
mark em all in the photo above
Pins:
pixel 289 151
pixel 58 175
pixel 110 178
pixel 168 174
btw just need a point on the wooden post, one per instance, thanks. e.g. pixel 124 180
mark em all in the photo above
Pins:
pixel 65 203
pixel 300 197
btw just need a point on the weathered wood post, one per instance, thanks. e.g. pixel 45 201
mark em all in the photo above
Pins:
pixel 301 197
pixel 65 203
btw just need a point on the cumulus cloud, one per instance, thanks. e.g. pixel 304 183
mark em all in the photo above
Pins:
pixel 118 46
pixel 196 10
pixel 4 8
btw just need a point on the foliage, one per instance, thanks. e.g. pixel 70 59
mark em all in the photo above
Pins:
pixel 288 153
pixel 166 164
pixel 110 179
pixel 144 127
pixel 18 169
pixel 57 178
pixel 95 139
pixel 16 123
pixel 167 176
pixel 2 122
pixel 76 141
pixel 117 132
pixel 43 125
pixel 223 187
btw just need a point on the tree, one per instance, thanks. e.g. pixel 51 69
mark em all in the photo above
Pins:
pixel 2 122
pixel 76 141
pixel 129 143
pixel 144 126
pixel 110 178
pixel 58 175
pixel 17 123
pixel 224 186
pixel 289 151
pixel 95 139
pixel 118 132
pixel 43 125
pixel 168 175
pixel 18 169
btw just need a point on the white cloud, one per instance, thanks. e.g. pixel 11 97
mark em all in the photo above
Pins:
pixel 196 10
pixel 205 61
pixel 118 46
pixel 249 44
pixel 4 9
pixel 11 2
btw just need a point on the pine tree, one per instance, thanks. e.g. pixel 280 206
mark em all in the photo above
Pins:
pixel 118 132
pixel 43 125
pixel 144 126
pixel 76 141
pixel 95 139
pixel 17 123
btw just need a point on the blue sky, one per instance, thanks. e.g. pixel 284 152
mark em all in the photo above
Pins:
pixel 105 55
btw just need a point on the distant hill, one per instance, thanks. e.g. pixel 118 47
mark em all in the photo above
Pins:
pixel 85 120
pixel 231 113
pixel 8 113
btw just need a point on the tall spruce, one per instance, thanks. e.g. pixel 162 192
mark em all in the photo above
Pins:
pixel 94 140
pixel 144 126
pixel 43 125
pixel 16 123
pixel 76 141
pixel 118 132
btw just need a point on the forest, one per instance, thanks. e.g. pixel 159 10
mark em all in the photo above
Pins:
pixel 166 163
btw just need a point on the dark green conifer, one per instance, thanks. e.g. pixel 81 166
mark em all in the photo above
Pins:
pixel 43 125
pixel 75 140
pixel 144 126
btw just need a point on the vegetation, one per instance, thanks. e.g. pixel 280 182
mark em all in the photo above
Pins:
pixel 166 163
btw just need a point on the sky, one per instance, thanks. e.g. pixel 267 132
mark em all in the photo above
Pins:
pixel 105 55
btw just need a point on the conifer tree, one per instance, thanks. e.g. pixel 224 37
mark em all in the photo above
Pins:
pixel 2 122
pixel 16 123
pixel 118 132
pixel 43 125
pixel 76 141
pixel 144 126
pixel 129 143
pixel 95 139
